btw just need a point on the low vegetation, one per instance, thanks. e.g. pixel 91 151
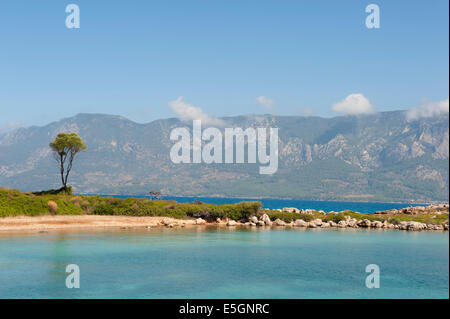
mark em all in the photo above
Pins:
pixel 15 203
pixel 57 202
pixel 289 217
pixel 431 218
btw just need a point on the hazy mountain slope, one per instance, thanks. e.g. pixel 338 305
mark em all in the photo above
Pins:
pixel 373 157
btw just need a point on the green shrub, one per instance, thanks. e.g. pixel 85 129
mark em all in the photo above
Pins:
pixel 60 191
pixel 144 207
pixel 239 211
pixel 335 218
pixel 286 217
pixel 394 221
pixel 289 217
pixel 14 203
pixel 104 209
pixel 306 217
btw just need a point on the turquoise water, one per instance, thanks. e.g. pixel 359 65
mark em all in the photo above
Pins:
pixel 361 207
pixel 210 262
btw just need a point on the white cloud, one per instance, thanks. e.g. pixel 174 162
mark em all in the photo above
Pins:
pixel 266 102
pixel 428 109
pixel 187 112
pixel 354 104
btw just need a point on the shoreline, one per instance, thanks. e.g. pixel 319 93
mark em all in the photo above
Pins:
pixel 47 211
pixel 59 222
pixel 46 223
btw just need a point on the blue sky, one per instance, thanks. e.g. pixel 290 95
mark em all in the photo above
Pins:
pixel 134 57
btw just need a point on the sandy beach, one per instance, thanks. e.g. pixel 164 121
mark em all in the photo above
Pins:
pixel 48 222
pixel 98 222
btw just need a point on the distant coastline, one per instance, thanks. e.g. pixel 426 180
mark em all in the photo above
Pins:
pixel 142 195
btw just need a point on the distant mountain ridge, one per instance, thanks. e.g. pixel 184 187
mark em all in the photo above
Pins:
pixel 376 157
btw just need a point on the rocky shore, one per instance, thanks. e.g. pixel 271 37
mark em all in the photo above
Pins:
pixel 327 221
pixel 265 221
pixel 67 222
pixel 418 210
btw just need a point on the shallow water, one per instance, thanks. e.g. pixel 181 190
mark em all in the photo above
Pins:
pixel 212 262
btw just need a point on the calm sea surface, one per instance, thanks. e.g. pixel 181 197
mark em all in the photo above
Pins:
pixel 212 262
pixel 361 207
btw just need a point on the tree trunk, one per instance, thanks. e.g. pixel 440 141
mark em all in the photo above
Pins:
pixel 62 172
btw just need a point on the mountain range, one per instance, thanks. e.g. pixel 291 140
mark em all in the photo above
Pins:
pixel 377 157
